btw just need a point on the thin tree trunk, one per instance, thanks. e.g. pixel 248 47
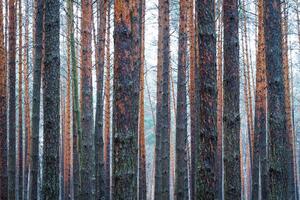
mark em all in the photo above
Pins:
pixel 220 109
pixel 27 107
pixel 206 141
pixel 162 162
pixel 259 148
pixel 181 183
pixel 231 118
pixel 12 101
pixel 280 154
pixel 38 54
pixel 86 148
pixel 20 107
pixel 3 113
pixel 77 133
pixel 67 131
pixel 126 99
pixel 99 160
pixel 191 27
pixel 107 144
pixel 142 148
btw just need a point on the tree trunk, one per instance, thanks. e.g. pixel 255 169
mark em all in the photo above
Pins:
pixel 142 149
pixel 191 27
pixel 12 101
pixel 181 183
pixel 51 103
pixel 99 160
pixel 20 107
pixel 107 144
pixel 67 131
pixel 231 118
pixel 206 141
pixel 126 99
pixel 77 132
pixel 34 163
pixel 162 162
pixel 287 92
pixel 280 154
pixel 220 107
pixel 27 147
pixel 3 113
pixel 86 148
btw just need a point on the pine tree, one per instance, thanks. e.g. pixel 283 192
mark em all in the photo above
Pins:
pixel 260 128
pixel 51 104
pixel 231 117
pixel 181 183
pixel 3 113
pixel 99 159
pixel 162 151
pixel 86 157
pixel 126 99
pixel 12 101
pixel 38 54
pixel 206 141
pixel 280 154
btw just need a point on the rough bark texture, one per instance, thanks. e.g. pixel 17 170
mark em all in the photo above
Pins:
pixel 191 29
pixel 12 101
pixel 162 162
pixel 107 144
pixel 20 106
pixel 206 141
pixel 27 147
pixel 67 127
pixel 51 101
pixel 181 173
pixel 100 48
pixel 220 108
pixel 142 148
pixel 280 154
pixel 34 161
pixel 3 113
pixel 86 148
pixel 287 88
pixel 259 163
pixel 76 111
pixel 126 99
pixel 231 118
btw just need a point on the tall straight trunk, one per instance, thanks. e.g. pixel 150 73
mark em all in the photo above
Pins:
pixel 12 101
pixel 206 141
pixel 162 162
pixel 231 116
pixel 280 154
pixel 86 148
pixel 220 108
pixel 142 148
pixel 287 89
pixel 259 167
pixel 34 161
pixel 67 127
pixel 76 110
pixel 126 99
pixel 191 29
pixel 51 103
pixel 3 113
pixel 20 107
pixel 107 144
pixel 181 183
pixel 27 106
pixel 99 160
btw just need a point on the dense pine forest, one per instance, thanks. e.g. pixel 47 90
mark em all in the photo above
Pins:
pixel 149 99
